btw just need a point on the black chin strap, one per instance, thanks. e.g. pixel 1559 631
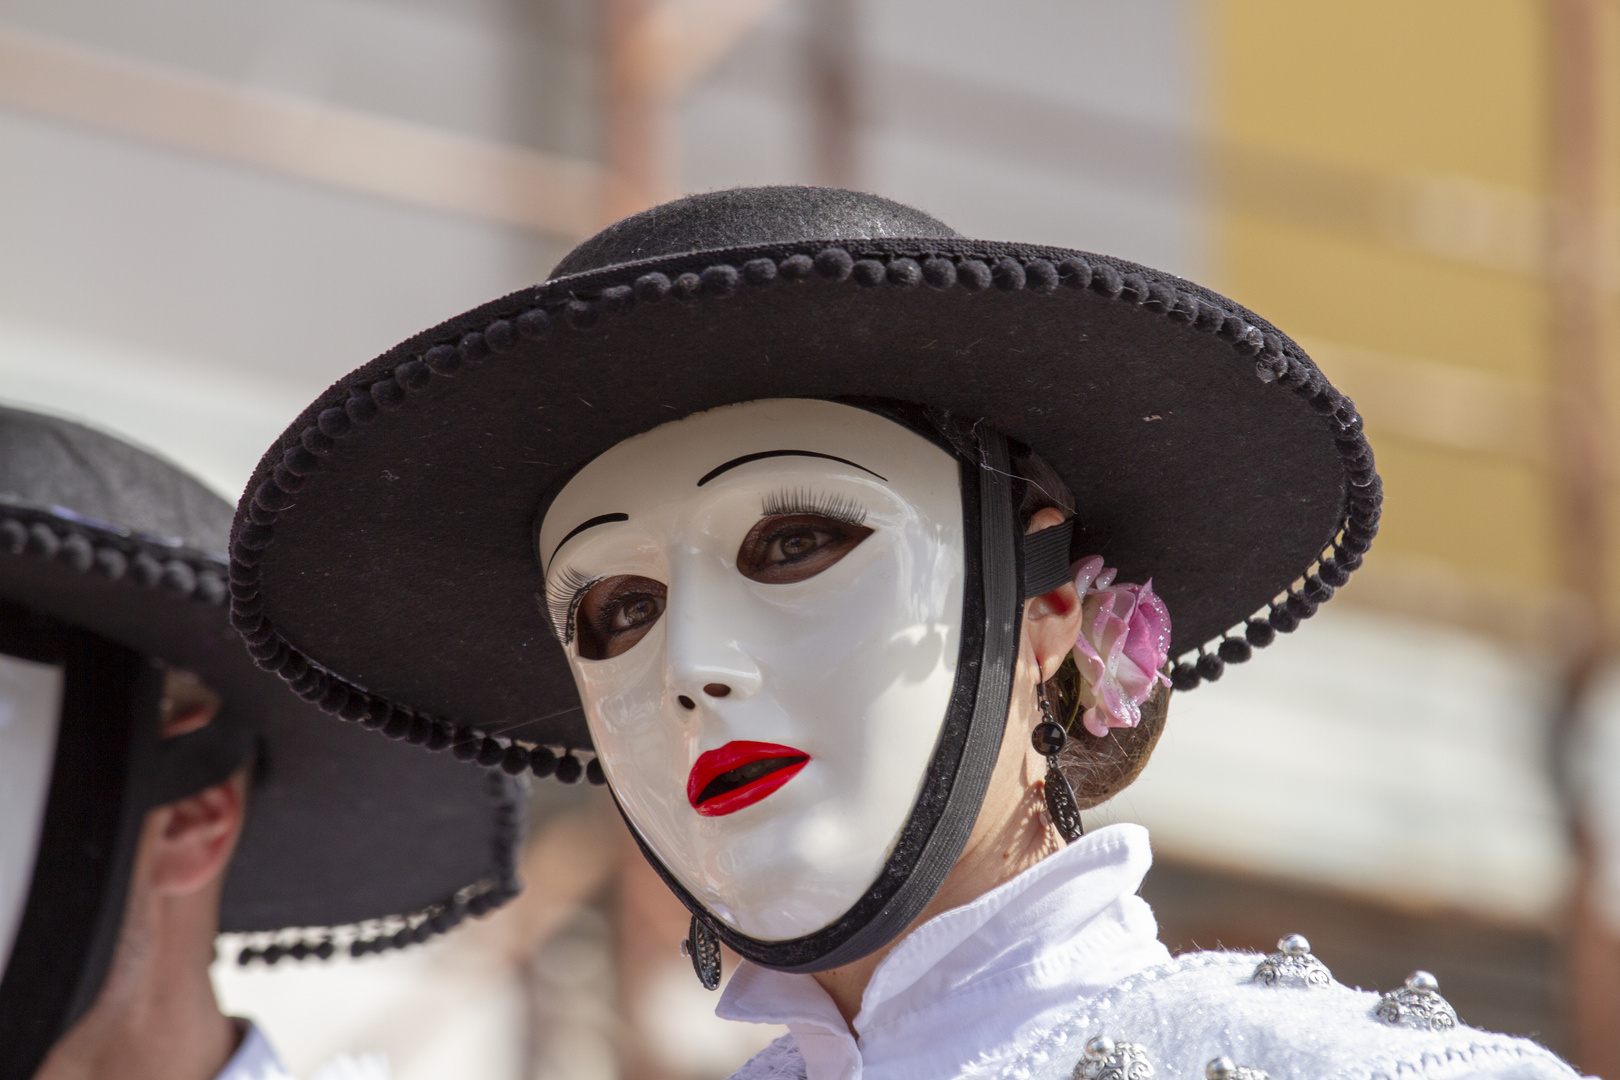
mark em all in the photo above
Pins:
pixel 183 765
pixel 1046 559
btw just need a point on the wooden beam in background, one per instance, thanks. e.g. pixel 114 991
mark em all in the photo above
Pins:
pixel 654 50
pixel 310 140
pixel 637 118
pixel 833 63
pixel 1582 447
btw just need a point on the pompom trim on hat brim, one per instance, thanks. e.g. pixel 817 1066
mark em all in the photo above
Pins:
pixel 404 929
pixel 113 555
pixel 329 482
pixel 107 560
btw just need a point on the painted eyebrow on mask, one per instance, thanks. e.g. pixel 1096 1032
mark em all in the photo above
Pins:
pixel 600 519
pixel 746 458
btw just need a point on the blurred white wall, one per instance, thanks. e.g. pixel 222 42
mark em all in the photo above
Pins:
pixel 1403 761
pixel 1595 769
pixel 432 1013
pixel 195 304
pixel 1052 121
pixel 518 71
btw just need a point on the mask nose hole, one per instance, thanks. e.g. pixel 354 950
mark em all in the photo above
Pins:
pixel 686 702
pixel 716 689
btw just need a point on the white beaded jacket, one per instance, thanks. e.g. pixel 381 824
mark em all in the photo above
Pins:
pixel 1016 983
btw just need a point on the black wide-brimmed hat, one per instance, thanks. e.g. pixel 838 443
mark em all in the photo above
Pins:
pixel 383 557
pixel 350 839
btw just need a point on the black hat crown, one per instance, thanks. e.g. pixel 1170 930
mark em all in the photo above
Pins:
pixel 55 465
pixel 743 217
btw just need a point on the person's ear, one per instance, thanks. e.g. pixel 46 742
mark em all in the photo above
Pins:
pixel 188 703
pixel 1052 620
pixel 192 838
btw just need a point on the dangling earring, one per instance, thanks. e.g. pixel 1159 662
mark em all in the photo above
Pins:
pixel 1049 740
pixel 703 946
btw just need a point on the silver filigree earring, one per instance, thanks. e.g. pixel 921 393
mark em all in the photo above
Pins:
pixel 1049 740
pixel 702 946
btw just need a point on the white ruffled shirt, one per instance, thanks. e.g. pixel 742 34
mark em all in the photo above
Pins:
pixel 1067 928
pixel 1013 984
pixel 256 1059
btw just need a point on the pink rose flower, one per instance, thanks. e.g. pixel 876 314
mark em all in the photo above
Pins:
pixel 1124 640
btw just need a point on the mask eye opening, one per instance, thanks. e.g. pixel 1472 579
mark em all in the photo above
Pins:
pixel 615 613
pixel 766 556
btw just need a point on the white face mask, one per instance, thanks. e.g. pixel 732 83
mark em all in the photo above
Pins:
pixel 30 713
pixel 762 606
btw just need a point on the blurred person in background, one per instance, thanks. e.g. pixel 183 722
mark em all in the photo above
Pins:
pixel 873 553
pixel 156 788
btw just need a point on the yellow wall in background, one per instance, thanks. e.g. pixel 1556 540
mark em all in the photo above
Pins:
pixel 1452 86
pixel 1356 290
pixel 1380 174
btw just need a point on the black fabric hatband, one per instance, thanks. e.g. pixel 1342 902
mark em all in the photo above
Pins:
pixel 1046 559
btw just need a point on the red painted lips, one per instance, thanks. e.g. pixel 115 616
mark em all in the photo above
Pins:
pixel 739 774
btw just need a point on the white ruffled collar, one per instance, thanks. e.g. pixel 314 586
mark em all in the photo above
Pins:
pixel 971 985
pixel 255 1058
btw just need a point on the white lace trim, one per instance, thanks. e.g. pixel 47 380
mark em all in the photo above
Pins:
pixel 1294 1035
pixel 779 1061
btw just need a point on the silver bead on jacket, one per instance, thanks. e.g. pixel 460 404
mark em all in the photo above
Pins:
pixel 1108 1060
pixel 1293 965
pixel 1418 1005
pixel 1224 1068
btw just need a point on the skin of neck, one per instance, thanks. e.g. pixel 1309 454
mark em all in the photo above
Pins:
pixel 1012 832
pixel 156 1017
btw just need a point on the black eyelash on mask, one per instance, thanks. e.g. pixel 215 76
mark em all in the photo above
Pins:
pixel 805 501
pixel 562 601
